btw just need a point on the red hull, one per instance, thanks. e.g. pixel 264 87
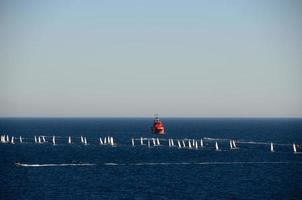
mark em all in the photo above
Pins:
pixel 158 127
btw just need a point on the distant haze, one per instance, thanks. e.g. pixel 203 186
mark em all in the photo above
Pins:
pixel 136 58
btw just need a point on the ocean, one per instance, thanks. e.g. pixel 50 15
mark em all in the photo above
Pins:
pixel 94 171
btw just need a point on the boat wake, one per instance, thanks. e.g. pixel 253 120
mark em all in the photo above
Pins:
pixel 200 163
pixel 54 165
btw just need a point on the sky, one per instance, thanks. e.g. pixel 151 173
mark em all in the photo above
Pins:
pixel 232 58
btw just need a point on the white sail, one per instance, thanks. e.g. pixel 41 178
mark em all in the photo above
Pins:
pixel 43 138
pixel 172 142
pixel 35 139
pixel 158 143
pixel 201 143
pixel 148 143
pixel 132 141
pixel 101 141
pixel 193 143
pixel 216 146
pixel 82 140
pixel 183 143
pixel 234 144
pixel 169 142
pixel 231 144
pixel 69 140
pixel 7 138
pixel 196 145
pixel 142 141
pixel 190 144
pixel 105 140
pixel 53 140
pixel 112 143
pixel 179 145
pixel 294 147
pixel 12 141
pixel 272 147
pixel 20 139
pixel 85 141
pixel 154 142
pixel 39 140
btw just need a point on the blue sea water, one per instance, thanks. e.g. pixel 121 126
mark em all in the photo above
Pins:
pixel 139 172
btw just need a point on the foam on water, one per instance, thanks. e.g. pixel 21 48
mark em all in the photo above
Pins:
pixel 54 165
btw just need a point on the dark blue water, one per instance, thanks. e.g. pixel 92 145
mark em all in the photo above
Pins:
pixel 250 172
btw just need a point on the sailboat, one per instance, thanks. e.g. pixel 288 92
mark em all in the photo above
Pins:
pixel 231 144
pixel 39 140
pixel 35 139
pixel 216 147
pixel 234 144
pixel 85 141
pixel 183 144
pixel 20 139
pixel 132 141
pixel 82 139
pixel 12 141
pixel 158 143
pixel 201 143
pixel 148 143
pixel 196 145
pixel 69 140
pixel 101 141
pixel 43 138
pixel 179 145
pixel 142 141
pixel 172 142
pixel 272 147
pixel 54 140
pixel 190 146
pixel 294 148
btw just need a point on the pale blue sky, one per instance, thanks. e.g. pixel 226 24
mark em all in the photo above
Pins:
pixel 136 58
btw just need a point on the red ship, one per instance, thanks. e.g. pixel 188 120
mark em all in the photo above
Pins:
pixel 158 126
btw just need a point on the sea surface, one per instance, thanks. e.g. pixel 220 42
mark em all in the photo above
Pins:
pixel 94 171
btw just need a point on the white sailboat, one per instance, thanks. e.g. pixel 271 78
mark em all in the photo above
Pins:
pixel 153 141
pixel 39 140
pixel 101 141
pixel 294 148
pixel 231 144
pixel 12 141
pixel 132 141
pixel 105 140
pixel 82 139
pixel 172 142
pixel 69 140
pixel 54 140
pixel 35 139
pixel 85 141
pixel 43 138
pixel 216 147
pixel 7 138
pixel 148 143
pixel 272 147
pixel 158 143
pixel 196 145
pixel 20 138
pixel 201 143
pixel 183 144
pixel 189 143
pixel 142 141
pixel 234 144
pixel 179 145
pixel 112 142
